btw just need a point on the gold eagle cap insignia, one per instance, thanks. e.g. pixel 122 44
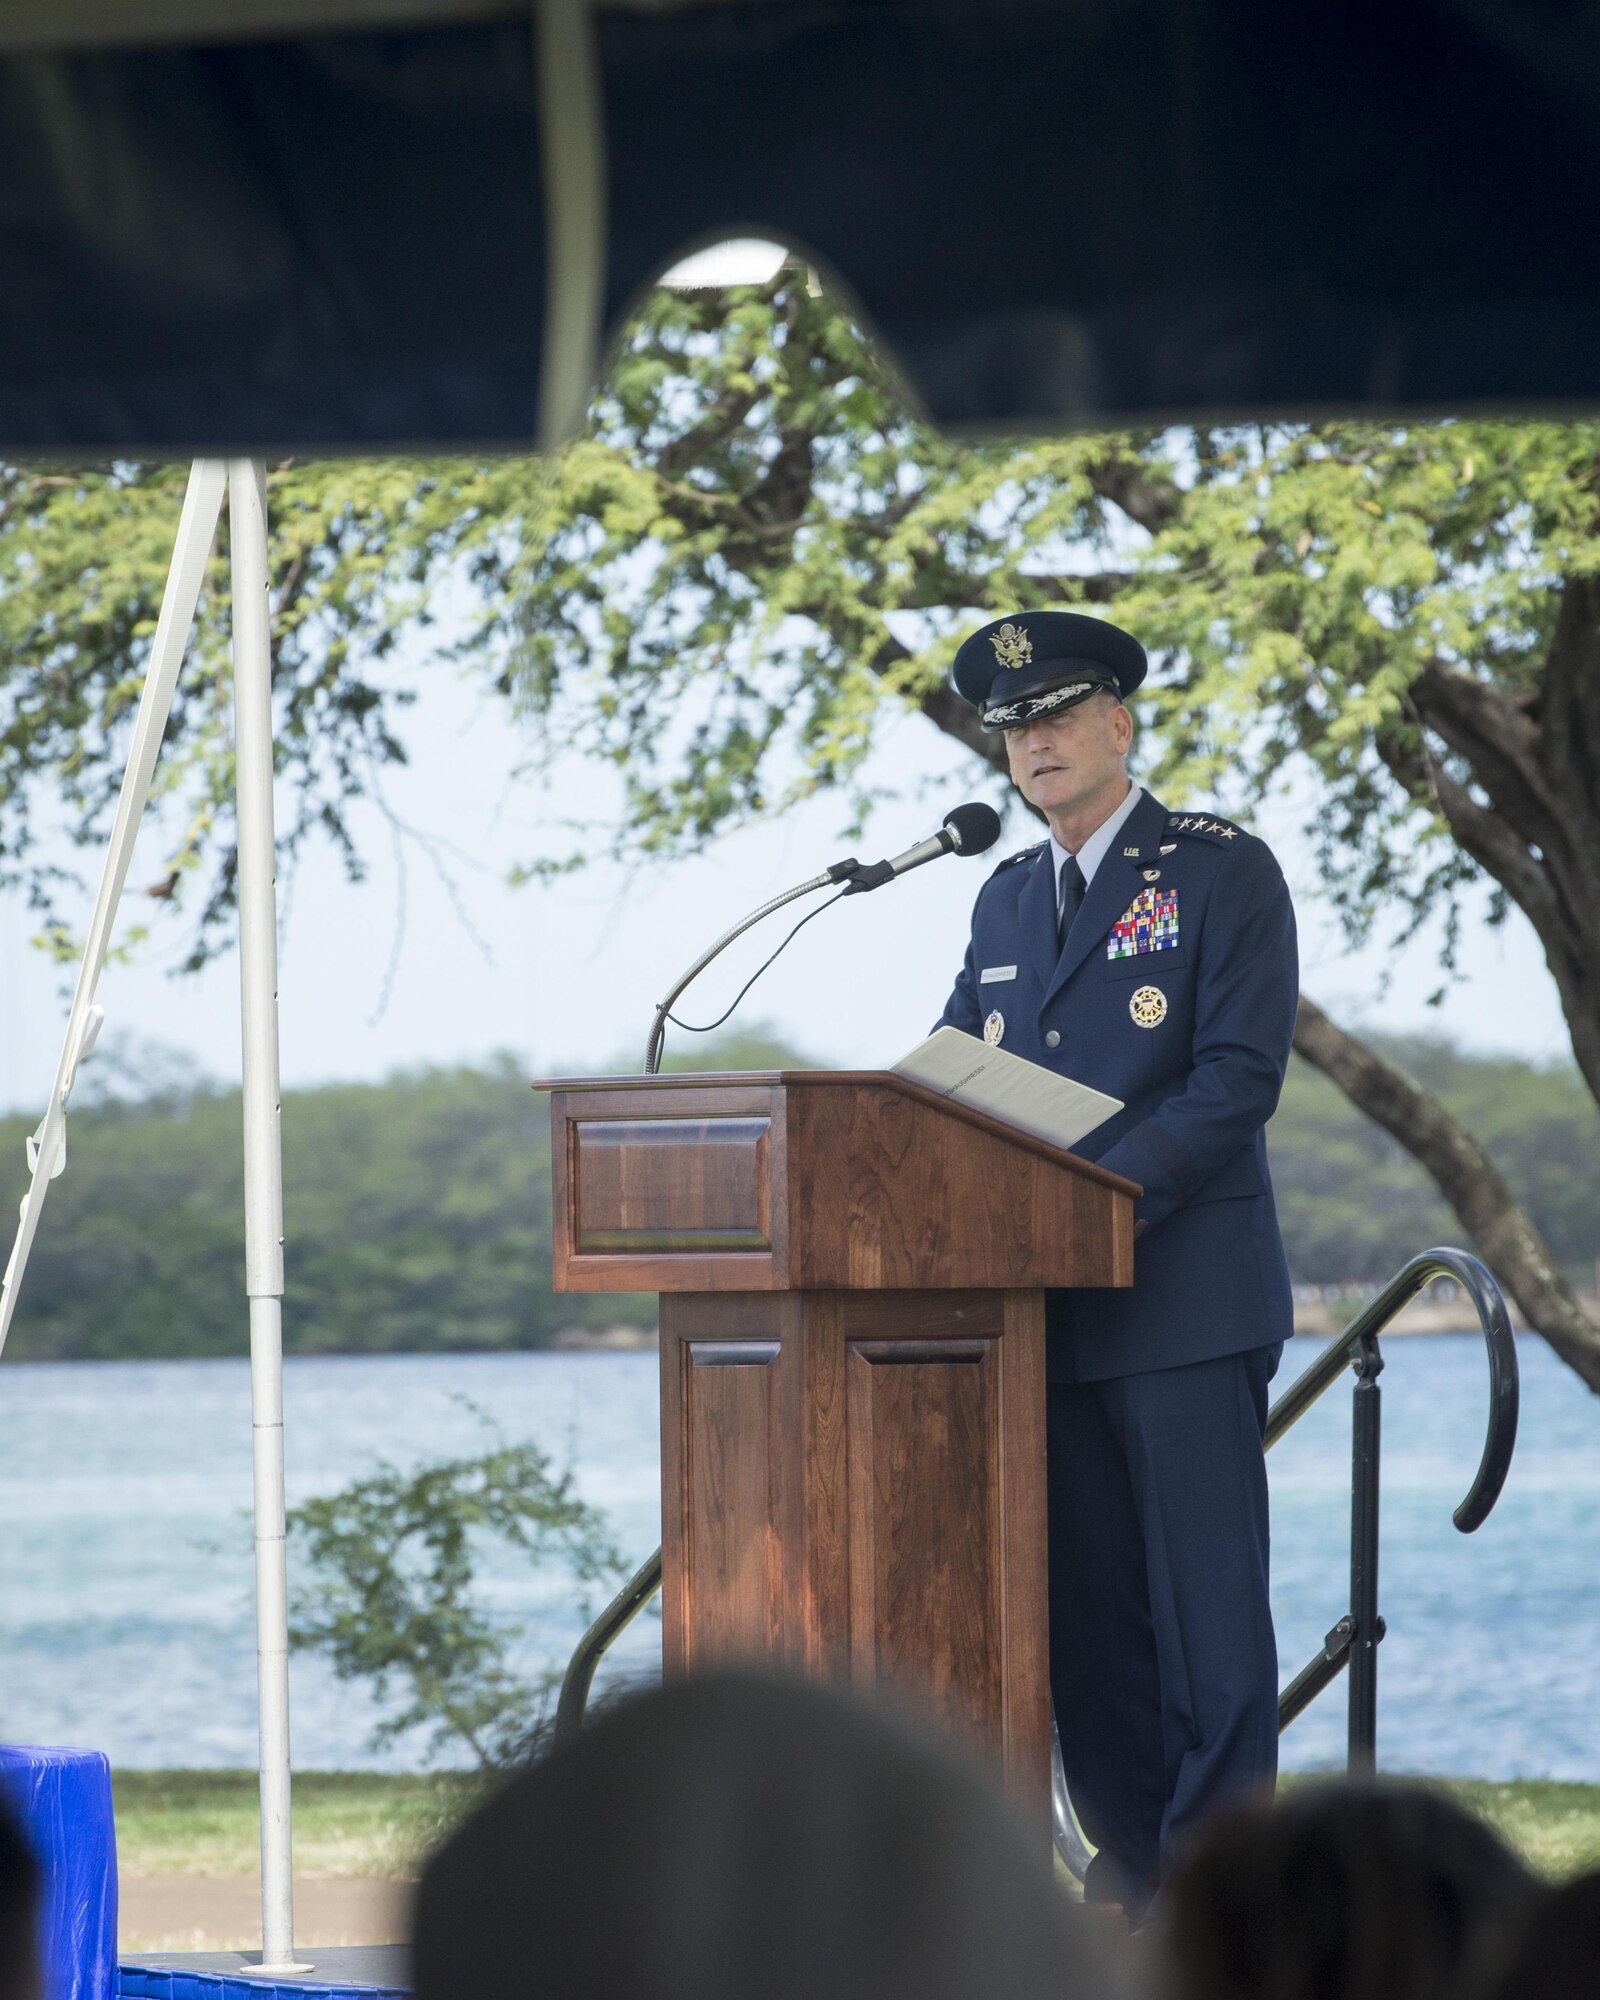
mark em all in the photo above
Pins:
pixel 1012 646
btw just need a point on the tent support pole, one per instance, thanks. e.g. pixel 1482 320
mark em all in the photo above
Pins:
pixel 263 1188
pixel 197 529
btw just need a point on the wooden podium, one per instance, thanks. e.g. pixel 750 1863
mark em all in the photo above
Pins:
pixel 852 1371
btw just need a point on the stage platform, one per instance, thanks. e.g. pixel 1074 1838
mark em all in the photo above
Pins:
pixel 359 1971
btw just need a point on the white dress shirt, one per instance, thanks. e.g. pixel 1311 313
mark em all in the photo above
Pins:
pixel 1097 846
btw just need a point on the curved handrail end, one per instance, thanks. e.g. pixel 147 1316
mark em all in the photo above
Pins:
pixel 1477 1282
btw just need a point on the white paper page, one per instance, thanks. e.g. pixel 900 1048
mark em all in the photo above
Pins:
pixel 1007 1087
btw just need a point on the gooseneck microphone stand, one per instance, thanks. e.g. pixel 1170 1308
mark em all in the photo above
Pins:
pixel 969 829
pixel 841 871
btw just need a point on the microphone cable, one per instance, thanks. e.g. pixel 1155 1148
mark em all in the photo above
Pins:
pixel 969 829
pixel 690 1028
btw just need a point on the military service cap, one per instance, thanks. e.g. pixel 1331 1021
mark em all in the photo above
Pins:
pixel 1038 662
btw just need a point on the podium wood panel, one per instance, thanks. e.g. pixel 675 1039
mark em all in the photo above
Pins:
pixel 852 1372
pixel 814 1179
pixel 853 1485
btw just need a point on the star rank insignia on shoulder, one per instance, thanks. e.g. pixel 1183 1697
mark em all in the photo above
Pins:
pixel 1023 854
pixel 1202 824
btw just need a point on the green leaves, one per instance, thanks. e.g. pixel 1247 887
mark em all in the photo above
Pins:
pixel 389 1595
pixel 418 1218
pixel 355 553
pixel 759 553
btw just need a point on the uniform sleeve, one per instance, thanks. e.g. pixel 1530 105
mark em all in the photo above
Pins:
pixel 1246 991
pixel 961 1010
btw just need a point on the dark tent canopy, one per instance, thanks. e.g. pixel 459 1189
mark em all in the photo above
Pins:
pixel 361 224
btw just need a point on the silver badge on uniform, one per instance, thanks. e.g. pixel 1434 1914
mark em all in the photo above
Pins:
pixel 994 1028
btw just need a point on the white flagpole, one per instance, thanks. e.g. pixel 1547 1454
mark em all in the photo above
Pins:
pixel 263 1188
pixel 197 527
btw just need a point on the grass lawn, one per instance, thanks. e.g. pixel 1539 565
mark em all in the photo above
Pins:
pixel 1556 1826
pixel 346 1823
pixel 354 1824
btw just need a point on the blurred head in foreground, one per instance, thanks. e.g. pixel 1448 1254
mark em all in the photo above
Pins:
pixel 20 1884
pixel 1556 1954
pixel 745 1836
pixel 1344 1892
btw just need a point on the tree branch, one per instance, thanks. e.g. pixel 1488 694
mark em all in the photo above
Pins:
pixel 1569 696
pixel 959 719
pixel 1539 837
pixel 1481 834
pixel 1150 502
pixel 779 500
pixel 1504 1233
pixel 1495 734
pixel 724 417
pixel 958 590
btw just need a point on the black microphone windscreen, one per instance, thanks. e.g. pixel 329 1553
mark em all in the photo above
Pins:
pixel 975 827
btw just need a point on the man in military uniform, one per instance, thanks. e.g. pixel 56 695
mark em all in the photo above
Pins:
pixel 1150 954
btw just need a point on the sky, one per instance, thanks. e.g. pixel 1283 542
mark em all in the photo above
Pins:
pixel 405 971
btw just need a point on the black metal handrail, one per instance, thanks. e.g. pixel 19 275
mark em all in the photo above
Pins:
pixel 634 1595
pixel 1500 1439
pixel 1354 1640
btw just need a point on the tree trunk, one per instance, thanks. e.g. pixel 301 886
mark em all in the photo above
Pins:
pixel 1502 1231
pixel 1530 818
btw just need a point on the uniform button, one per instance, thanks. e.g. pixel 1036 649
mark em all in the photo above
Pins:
pixel 1053 1039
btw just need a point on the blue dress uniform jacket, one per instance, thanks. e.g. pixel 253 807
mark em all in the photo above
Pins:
pixel 1175 992
pixel 1192 915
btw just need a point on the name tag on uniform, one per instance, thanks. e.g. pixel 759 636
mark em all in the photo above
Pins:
pixel 991 975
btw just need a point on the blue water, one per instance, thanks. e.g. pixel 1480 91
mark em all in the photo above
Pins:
pixel 125 1567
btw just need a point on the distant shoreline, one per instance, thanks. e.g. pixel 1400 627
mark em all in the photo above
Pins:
pixel 1314 1319
pixel 1452 1314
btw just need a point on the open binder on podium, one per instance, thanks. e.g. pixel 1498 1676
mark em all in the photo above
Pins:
pixel 1007 1087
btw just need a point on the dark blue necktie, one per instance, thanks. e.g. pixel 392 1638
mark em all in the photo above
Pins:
pixel 1071 897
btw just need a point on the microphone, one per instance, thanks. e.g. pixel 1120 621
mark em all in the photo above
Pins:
pixel 970 829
